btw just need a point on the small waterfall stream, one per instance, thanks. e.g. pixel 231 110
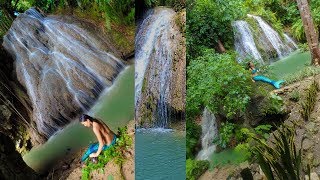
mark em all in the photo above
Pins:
pixel 153 63
pixel 244 41
pixel 63 66
pixel 209 133
pixel 264 44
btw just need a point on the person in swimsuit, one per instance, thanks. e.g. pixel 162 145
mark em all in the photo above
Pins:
pixel 106 138
pixel 256 77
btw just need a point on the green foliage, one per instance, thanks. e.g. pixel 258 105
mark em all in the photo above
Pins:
pixel 297 30
pixel 177 5
pixel 272 105
pixel 294 96
pixel 5 22
pixel 209 21
pixel 280 160
pixel 310 100
pixel 287 13
pixel 243 135
pixel 119 11
pixel 218 82
pixel 195 168
pixel 263 130
pixel 116 153
pixel 193 135
pixel 244 149
pixel 265 9
pixel 226 132
pixel 231 134
pixel 303 47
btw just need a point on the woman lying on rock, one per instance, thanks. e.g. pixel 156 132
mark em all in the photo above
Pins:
pixel 256 77
pixel 106 138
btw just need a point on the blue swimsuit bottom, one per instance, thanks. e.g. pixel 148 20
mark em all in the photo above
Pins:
pixel 261 78
pixel 94 148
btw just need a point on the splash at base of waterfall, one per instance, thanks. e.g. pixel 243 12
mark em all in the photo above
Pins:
pixel 206 154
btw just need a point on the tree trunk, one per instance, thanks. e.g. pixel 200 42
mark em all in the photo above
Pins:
pixel 310 31
pixel 220 47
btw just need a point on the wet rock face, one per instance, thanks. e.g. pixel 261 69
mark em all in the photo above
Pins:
pixel 12 165
pixel 62 64
pixel 14 106
pixel 160 69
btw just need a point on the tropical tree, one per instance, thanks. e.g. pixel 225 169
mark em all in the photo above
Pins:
pixel 309 29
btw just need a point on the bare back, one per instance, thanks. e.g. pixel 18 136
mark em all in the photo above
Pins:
pixel 105 132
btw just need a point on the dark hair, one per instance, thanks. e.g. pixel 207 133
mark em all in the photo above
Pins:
pixel 84 117
pixel 249 64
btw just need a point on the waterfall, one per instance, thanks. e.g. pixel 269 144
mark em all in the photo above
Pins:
pixel 209 133
pixel 63 66
pixel 244 42
pixel 273 37
pixel 290 42
pixel 153 64
pixel 271 45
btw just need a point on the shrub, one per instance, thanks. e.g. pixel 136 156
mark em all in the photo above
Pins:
pixel 263 130
pixel 242 135
pixel 303 47
pixel 310 100
pixel 226 132
pixel 194 168
pixel 294 96
pixel 192 137
pixel 280 160
pixel 209 21
pixel 273 105
pixel 218 82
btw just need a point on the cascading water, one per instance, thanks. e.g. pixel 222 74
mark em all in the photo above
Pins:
pixel 290 42
pixel 153 64
pixel 273 37
pixel 209 133
pixel 271 45
pixel 63 66
pixel 244 41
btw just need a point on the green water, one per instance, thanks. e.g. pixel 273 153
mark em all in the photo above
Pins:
pixel 115 107
pixel 160 154
pixel 229 156
pixel 290 64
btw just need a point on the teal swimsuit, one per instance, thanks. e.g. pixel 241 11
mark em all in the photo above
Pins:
pixel 94 148
pixel 254 71
pixel 261 78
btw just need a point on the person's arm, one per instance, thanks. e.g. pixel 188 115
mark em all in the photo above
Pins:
pixel 98 135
